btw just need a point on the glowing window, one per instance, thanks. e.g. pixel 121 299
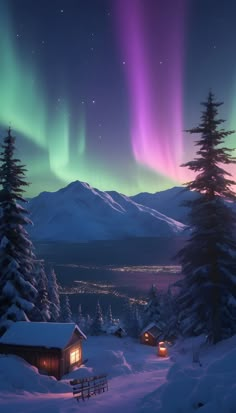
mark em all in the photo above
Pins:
pixel 146 335
pixel 75 356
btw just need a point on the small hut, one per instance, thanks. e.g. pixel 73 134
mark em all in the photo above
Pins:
pixel 150 334
pixel 120 332
pixel 54 348
pixel 116 330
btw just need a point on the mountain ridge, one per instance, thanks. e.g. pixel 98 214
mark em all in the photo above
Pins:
pixel 79 212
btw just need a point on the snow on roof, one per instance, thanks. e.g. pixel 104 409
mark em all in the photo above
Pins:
pixel 149 327
pixel 40 334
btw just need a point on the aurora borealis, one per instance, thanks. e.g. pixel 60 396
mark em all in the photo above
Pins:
pixel 154 82
pixel 101 90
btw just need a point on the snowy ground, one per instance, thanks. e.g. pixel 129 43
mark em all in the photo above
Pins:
pixel 139 381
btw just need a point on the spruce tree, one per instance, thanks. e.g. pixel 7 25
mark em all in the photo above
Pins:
pixel 17 286
pixel 53 295
pixel 207 299
pixel 80 319
pixel 135 322
pixel 109 316
pixel 66 314
pixel 87 324
pixel 127 316
pixel 98 323
pixel 79 314
pixel 41 311
pixel 153 310
pixel 170 315
pixel 131 319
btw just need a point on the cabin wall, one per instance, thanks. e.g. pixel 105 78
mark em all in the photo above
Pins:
pixel 75 337
pixel 152 341
pixel 46 360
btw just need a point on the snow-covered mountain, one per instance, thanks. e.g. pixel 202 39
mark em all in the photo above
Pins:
pixel 168 202
pixel 79 212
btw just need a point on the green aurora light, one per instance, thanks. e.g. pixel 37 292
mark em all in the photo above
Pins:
pixel 46 129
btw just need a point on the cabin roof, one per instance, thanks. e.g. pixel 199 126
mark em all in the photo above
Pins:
pixel 152 329
pixel 40 334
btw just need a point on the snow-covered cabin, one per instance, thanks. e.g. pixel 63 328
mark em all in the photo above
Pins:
pixel 150 334
pixel 54 348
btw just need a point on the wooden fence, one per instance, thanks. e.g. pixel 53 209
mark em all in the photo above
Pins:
pixel 89 386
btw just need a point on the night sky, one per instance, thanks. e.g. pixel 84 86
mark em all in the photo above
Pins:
pixel 101 90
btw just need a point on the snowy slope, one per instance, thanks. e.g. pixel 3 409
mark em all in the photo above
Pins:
pixel 139 381
pixel 170 202
pixel 167 202
pixel 79 212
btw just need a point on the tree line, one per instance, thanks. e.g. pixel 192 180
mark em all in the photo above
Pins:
pixel 206 299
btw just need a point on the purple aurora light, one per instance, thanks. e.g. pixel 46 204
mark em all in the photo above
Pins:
pixel 151 39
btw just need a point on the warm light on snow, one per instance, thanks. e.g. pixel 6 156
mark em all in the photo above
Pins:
pixel 138 381
pixel 162 349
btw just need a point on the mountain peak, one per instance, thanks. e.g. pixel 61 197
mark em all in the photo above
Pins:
pixel 77 185
pixel 79 212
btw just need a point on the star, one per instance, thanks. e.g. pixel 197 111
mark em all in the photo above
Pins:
pixel 123 62
pixel 93 101
pixel 62 11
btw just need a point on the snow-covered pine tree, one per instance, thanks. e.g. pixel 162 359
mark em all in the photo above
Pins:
pixel 109 322
pixel 87 324
pixel 80 319
pixel 109 316
pixel 98 323
pixel 41 311
pixel 79 314
pixel 153 311
pixel 170 315
pixel 135 322
pixel 131 319
pixel 66 314
pixel 207 299
pixel 127 315
pixel 53 295
pixel 17 286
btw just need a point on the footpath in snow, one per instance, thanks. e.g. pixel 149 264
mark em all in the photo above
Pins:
pixel 139 381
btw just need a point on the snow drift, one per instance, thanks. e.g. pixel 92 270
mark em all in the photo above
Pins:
pixel 139 381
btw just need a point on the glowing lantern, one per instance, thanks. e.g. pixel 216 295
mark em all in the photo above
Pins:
pixel 162 349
